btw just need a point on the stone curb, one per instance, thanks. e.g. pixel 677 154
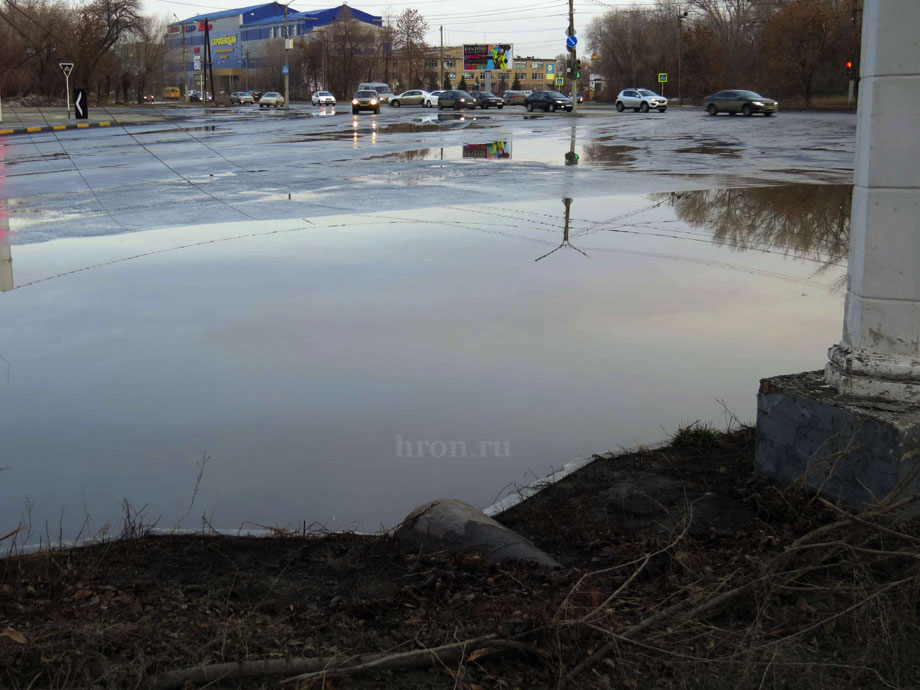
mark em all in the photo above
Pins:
pixel 56 128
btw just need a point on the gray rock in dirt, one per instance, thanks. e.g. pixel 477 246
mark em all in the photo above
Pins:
pixel 454 525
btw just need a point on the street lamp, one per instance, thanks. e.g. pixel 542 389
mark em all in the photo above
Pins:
pixel 680 32
pixel 288 44
pixel 184 63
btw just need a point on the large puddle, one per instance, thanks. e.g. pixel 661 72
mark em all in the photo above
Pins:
pixel 344 370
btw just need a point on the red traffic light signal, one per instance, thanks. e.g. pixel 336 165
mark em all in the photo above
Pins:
pixel 849 66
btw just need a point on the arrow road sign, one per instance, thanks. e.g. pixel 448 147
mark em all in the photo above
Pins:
pixel 571 42
pixel 79 104
pixel 67 67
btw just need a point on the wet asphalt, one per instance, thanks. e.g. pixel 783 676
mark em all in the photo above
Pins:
pixel 222 165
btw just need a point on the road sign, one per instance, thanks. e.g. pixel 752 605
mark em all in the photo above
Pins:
pixel 550 68
pixel 662 77
pixel 67 67
pixel 571 42
pixel 560 81
pixel 80 104
pixel 285 70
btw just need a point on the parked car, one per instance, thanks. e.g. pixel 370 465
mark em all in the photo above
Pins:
pixel 271 98
pixel 365 99
pixel 241 97
pixel 549 101
pixel 641 100
pixel 323 98
pixel 431 99
pixel 739 101
pixel 384 92
pixel 515 97
pixel 456 100
pixel 487 99
pixel 411 97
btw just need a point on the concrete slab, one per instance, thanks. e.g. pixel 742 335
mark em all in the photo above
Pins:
pixel 849 449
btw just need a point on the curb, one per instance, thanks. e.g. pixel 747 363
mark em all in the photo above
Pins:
pixel 53 128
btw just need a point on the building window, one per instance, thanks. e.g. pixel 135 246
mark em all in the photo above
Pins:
pixel 520 64
pixel 520 76
pixel 537 76
pixel 536 65
pixel 450 63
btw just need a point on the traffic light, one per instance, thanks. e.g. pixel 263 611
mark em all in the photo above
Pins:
pixel 849 66
pixel 577 70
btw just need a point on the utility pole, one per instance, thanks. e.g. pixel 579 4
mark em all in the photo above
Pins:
pixel 184 63
pixel 680 35
pixel 441 61
pixel 571 32
pixel 288 44
pixel 207 40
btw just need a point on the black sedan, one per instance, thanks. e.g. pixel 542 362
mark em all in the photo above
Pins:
pixel 456 100
pixel 549 101
pixel 739 101
pixel 487 99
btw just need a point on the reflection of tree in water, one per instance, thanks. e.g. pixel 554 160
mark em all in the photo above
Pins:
pixel 806 221
pixel 611 155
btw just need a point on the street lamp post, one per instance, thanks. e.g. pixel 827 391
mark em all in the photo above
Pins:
pixel 680 33
pixel 184 63
pixel 288 44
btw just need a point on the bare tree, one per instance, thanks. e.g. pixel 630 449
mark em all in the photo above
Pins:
pixel 409 39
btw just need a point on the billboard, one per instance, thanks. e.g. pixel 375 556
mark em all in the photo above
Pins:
pixel 484 56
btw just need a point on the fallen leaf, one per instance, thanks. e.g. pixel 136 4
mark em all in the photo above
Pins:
pixel 14 635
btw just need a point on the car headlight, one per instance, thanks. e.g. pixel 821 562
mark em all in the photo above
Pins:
pixel 373 101
pixel 354 101
pixel 760 103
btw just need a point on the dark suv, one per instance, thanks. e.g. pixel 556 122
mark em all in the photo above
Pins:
pixel 549 101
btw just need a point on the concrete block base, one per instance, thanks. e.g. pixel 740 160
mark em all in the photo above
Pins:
pixel 848 449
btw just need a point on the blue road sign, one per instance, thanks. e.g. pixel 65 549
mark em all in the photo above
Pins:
pixel 571 42
pixel 285 70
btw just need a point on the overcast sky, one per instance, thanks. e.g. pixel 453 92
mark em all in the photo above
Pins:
pixel 534 27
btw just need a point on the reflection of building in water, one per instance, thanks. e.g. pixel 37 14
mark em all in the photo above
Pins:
pixel 805 221
pixel 496 149
pixel 565 232
pixel 6 257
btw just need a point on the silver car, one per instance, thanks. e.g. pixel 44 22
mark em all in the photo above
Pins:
pixel 431 100
pixel 641 100
pixel 412 97
pixel 271 98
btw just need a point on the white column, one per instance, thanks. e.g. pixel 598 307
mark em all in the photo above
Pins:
pixel 879 355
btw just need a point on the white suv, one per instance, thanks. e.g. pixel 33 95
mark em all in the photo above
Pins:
pixel 641 100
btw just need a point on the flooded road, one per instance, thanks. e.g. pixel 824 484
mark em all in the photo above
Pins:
pixel 334 320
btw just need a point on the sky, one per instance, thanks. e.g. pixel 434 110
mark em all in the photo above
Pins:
pixel 534 27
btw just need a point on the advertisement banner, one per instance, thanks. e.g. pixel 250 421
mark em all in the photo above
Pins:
pixel 493 151
pixel 483 56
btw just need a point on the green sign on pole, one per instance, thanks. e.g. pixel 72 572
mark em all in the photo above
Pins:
pixel 662 77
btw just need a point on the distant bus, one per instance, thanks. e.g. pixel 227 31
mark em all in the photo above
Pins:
pixel 172 92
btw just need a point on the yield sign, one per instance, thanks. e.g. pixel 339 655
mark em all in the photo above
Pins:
pixel 67 67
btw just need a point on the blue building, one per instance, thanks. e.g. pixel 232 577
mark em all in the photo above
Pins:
pixel 240 39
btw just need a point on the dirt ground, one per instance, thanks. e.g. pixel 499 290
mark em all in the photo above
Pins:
pixel 681 570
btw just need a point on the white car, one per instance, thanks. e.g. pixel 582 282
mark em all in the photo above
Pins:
pixel 323 98
pixel 641 100
pixel 271 98
pixel 431 100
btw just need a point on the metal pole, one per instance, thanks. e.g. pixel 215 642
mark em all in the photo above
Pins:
pixel 441 61
pixel 574 59
pixel 287 69
pixel 184 62
pixel 680 52
pixel 67 87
